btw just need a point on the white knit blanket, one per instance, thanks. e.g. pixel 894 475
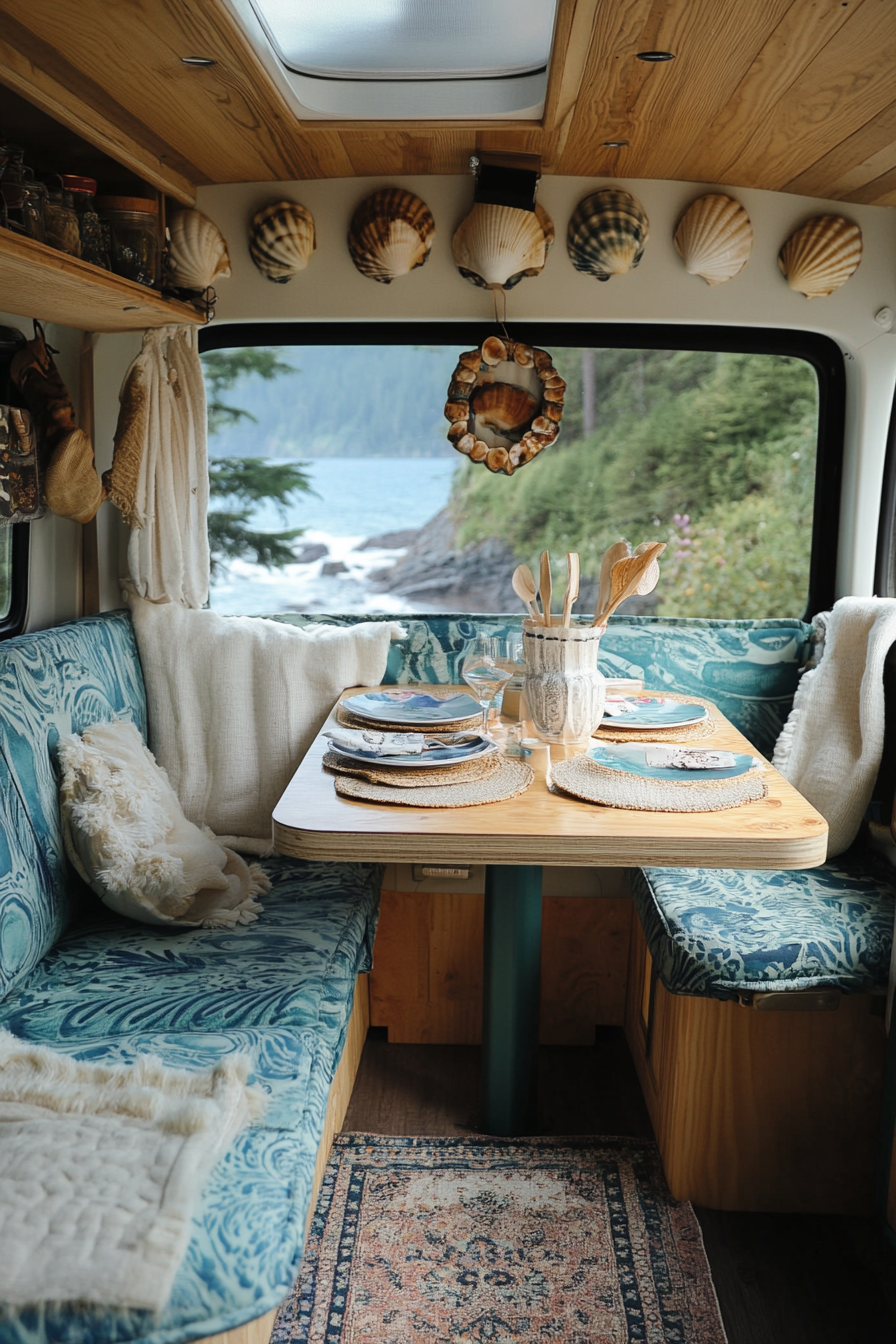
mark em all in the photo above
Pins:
pixel 235 701
pixel 830 748
pixel 101 1168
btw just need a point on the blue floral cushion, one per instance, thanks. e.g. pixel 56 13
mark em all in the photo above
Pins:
pixel 294 967
pixel 748 668
pixel 718 932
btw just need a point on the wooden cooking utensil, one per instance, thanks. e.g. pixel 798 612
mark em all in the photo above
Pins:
pixel 625 577
pixel 544 587
pixel 524 587
pixel 572 585
pixel 652 572
pixel 618 551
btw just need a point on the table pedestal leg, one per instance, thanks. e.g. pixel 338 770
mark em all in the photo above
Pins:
pixel 510 999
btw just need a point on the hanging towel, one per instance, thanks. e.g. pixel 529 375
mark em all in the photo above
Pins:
pixel 159 475
pixel 830 747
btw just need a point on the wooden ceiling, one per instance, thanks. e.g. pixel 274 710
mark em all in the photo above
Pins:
pixel 789 95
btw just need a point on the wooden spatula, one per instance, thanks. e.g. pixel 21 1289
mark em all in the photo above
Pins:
pixel 652 572
pixel 544 587
pixel 618 551
pixel 524 587
pixel 625 577
pixel 572 585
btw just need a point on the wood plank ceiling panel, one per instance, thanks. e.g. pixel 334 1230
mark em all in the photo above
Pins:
pixel 855 163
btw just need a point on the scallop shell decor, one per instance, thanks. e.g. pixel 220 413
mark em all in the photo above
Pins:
pixel 197 252
pixel 505 403
pixel 714 238
pixel 390 234
pixel 281 240
pixel 607 233
pixel 497 246
pixel 821 256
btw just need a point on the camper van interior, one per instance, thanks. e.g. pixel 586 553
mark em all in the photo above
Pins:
pixel 447 671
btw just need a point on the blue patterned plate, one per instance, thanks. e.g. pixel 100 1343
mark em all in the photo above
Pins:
pixel 632 759
pixel 650 713
pixel 431 756
pixel 412 707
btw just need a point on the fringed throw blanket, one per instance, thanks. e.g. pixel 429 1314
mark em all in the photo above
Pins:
pixel 101 1168
pixel 830 748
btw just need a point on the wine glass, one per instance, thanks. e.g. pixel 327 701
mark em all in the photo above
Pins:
pixel 482 671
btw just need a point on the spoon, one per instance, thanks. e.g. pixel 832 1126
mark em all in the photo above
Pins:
pixel 625 577
pixel 572 585
pixel 618 551
pixel 652 573
pixel 544 587
pixel 524 587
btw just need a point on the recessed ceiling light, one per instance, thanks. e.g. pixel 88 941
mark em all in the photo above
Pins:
pixel 615 144
pixel 656 55
pixel 197 60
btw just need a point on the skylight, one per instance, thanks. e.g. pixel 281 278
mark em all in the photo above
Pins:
pixel 413 58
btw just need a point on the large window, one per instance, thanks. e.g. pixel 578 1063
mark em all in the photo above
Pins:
pixel 336 488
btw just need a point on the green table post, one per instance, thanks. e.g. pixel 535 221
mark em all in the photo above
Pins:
pixel 510 1003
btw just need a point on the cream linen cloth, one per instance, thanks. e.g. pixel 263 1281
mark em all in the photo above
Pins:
pixel 234 703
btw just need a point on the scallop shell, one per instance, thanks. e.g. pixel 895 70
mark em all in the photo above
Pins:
pixel 607 233
pixel 496 246
pixel 390 234
pixel 281 239
pixel 821 256
pixel 714 238
pixel 197 252
pixel 503 407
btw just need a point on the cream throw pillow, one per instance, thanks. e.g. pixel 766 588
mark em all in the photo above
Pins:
pixel 127 836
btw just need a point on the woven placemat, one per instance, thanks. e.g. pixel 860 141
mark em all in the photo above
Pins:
pixel 612 730
pixel 415 777
pixel 594 783
pixel 512 778
pixel 349 720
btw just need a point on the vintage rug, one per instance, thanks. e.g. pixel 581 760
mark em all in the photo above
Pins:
pixel 444 1240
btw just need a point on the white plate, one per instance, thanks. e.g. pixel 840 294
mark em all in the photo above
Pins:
pixel 653 713
pixel 415 708
pixel 431 758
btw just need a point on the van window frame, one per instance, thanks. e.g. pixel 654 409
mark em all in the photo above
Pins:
pixel 821 352
pixel 885 560
pixel 14 621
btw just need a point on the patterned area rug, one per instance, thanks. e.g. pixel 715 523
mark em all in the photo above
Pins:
pixel 562 1241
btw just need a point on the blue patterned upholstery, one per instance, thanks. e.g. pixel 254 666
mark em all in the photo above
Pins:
pixel 748 668
pixel 719 932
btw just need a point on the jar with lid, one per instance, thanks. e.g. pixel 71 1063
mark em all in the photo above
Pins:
pixel 133 237
pixel 24 198
pixel 93 236
pixel 62 222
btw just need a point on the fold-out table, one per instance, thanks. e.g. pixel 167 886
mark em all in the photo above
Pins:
pixel 514 839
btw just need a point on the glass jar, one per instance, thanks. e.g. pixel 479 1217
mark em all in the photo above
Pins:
pixel 24 198
pixel 94 247
pixel 133 237
pixel 62 223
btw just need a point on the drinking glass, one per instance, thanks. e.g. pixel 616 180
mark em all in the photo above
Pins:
pixel 483 672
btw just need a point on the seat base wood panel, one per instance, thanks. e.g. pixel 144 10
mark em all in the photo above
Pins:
pixel 758 1111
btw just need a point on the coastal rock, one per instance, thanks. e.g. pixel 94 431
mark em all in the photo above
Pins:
pixel 391 541
pixel 314 550
pixel 437 576
pixel 334 567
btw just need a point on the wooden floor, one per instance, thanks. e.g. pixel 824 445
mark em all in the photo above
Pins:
pixel 780 1279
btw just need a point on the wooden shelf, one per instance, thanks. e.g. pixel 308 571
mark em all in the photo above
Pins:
pixel 37 281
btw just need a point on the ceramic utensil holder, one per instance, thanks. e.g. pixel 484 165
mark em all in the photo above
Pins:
pixel 565 692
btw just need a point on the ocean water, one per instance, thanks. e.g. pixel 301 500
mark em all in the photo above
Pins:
pixel 356 498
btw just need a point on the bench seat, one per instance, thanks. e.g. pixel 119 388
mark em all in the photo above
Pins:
pixel 726 933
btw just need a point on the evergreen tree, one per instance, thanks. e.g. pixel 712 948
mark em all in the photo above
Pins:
pixel 247 481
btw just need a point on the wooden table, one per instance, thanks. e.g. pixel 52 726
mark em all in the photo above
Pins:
pixel 514 839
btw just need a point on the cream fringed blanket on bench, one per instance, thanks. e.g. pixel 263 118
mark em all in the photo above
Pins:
pixel 101 1168
pixel 234 702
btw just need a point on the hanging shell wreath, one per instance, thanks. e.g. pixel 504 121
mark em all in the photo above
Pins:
pixel 197 252
pixel 390 234
pixel 714 238
pixel 281 239
pixel 497 246
pixel 505 403
pixel 607 233
pixel 821 256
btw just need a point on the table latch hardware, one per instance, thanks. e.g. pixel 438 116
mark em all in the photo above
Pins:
pixel 424 870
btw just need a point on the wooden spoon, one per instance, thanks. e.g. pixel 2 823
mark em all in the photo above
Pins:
pixel 625 577
pixel 572 585
pixel 618 551
pixel 544 587
pixel 652 573
pixel 524 587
